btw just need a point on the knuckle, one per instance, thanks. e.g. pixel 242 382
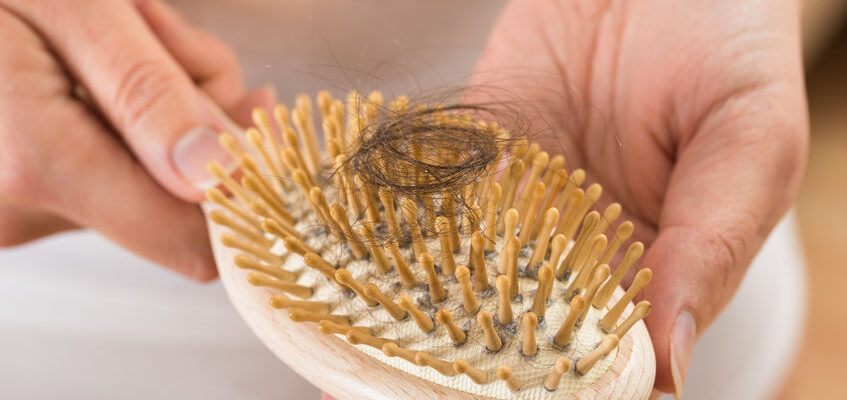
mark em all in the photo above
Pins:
pixel 143 89
pixel 729 251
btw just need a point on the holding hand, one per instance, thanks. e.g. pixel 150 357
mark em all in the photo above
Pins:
pixel 108 112
pixel 692 115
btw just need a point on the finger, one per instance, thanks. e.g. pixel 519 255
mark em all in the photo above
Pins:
pixel 731 184
pixel 208 61
pixel 20 224
pixel 325 396
pixel 85 175
pixel 146 96
pixel 264 97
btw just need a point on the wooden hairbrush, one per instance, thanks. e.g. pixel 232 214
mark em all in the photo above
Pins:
pixel 426 255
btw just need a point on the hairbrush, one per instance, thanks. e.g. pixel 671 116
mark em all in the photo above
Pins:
pixel 426 253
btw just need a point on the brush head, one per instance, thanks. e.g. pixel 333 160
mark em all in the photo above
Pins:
pixel 428 248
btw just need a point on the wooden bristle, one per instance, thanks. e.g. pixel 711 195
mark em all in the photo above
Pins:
pixel 277 228
pixel 359 337
pixel 295 245
pixel 249 232
pixel 514 245
pixel 281 301
pixel 354 203
pixel 491 214
pixel 477 258
pixel 422 320
pixel 584 264
pixel 317 262
pixel 216 170
pixel 217 197
pixel 344 277
pixel 492 339
pixel 528 346
pixel 562 366
pixel 513 177
pixel 556 183
pixel 252 183
pixel 573 205
pixel 391 349
pixel 387 200
pixel 557 163
pixel 429 214
pixel 563 335
pixel 328 327
pixel 448 263
pixel 373 292
pixel 318 198
pixel 448 209
pixel 568 264
pixel 230 144
pixel 642 278
pixel 282 285
pixel 557 247
pixel 370 202
pixel 504 373
pixel 633 253
pixel 463 367
pixel 425 359
pixel 436 291
pixel 510 221
pixel 623 233
pixel 463 275
pixel 545 278
pixel 642 309
pixel 410 212
pixel 547 224
pixel 600 276
pixel 377 254
pixel 274 270
pixel 457 335
pixel 532 204
pixel 356 245
pixel 504 303
pixel 610 215
pixel 270 162
pixel 406 275
pixel 606 346
pixel 255 250
pixel 302 117
pixel 591 195
pixel 301 315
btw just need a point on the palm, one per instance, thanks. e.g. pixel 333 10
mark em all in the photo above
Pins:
pixel 691 116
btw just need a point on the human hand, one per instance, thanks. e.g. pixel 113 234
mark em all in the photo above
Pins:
pixel 690 114
pixel 126 154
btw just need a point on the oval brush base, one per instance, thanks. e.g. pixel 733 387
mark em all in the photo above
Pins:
pixel 360 372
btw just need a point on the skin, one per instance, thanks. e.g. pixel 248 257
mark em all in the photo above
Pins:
pixel 690 114
pixel 104 162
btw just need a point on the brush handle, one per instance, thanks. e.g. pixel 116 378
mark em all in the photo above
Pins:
pixel 339 369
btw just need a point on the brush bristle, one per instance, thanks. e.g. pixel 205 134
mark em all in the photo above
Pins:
pixel 446 213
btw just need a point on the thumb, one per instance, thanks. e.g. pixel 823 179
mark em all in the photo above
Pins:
pixel 721 203
pixel 167 122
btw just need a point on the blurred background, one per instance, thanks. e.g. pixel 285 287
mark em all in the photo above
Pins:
pixel 822 207
pixel 82 318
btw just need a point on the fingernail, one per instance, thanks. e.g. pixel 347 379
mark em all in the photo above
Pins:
pixel 193 150
pixel 682 342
